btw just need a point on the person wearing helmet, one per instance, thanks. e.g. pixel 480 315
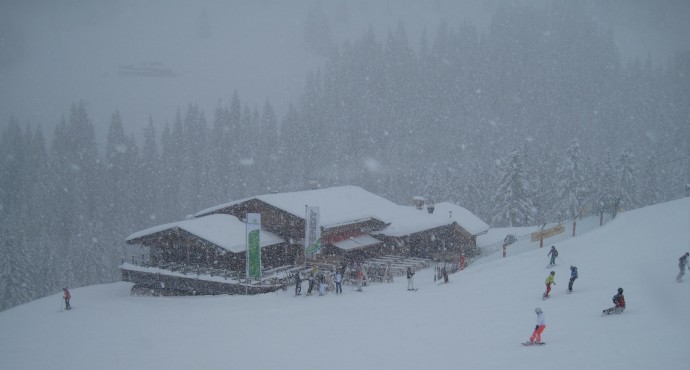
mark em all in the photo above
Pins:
pixel 549 281
pixel 66 296
pixel 619 304
pixel 539 328
pixel 553 253
pixel 682 262
pixel 573 276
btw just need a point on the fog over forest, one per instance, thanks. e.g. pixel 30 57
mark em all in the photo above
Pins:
pixel 120 115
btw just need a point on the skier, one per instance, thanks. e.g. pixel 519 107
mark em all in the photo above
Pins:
pixel 539 328
pixel 682 262
pixel 573 277
pixel 298 284
pixel 322 284
pixel 549 281
pixel 66 296
pixel 619 304
pixel 359 277
pixel 311 283
pixel 444 272
pixel 410 279
pixel 553 253
pixel 338 282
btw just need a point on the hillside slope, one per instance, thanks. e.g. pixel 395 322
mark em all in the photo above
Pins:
pixel 476 321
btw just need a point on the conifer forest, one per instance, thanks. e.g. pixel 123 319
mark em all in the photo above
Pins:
pixel 535 119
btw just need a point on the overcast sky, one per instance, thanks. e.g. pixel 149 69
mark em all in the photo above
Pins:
pixel 53 53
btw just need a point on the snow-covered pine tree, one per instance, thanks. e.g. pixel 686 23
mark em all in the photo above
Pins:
pixel 571 185
pixel 627 181
pixel 511 202
pixel 150 177
pixel 267 150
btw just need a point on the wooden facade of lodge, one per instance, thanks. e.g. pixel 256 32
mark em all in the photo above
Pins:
pixel 185 258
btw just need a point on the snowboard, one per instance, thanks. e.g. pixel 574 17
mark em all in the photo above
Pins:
pixel 604 313
pixel 528 344
pixel 413 290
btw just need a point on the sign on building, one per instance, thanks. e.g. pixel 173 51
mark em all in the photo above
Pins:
pixel 312 232
pixel 253 245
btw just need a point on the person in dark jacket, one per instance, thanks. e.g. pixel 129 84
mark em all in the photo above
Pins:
pixel 553 253
pixel 573 277
pixel 410 279
pixel 66 296
pixel 619 304
pixel 298 284
pixel 311 283
pixel 682 262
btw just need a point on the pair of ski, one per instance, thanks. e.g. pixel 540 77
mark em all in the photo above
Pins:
pixel 528 344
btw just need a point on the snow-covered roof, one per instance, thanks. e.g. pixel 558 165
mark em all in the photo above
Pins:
pixel 338 205
pixel 473 224
pixel 225 231
pixel 344 204
pixel 408 220
pixel 355 242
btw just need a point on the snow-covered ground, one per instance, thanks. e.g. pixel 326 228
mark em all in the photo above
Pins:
pixel 476 321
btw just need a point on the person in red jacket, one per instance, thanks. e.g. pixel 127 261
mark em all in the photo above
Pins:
pixel 619 304
pixel 66 296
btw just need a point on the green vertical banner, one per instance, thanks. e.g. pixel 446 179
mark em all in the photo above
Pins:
pixel 312 232
pixel 253 245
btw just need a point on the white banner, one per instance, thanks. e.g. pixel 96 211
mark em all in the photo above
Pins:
pixel 312 232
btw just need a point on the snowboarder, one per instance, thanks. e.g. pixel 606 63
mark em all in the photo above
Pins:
pixel 539 328
pixel 338 282
pixel 619 304
pixel 410 279
pixel 573 277
pixel 553 253
pixel 66 296
pixel 682 262
pixel 549 281
pixel 298 284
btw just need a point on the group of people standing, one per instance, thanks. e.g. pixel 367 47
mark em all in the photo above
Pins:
pixel 319 277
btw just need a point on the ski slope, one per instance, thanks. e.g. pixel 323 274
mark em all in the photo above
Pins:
pixel 476 321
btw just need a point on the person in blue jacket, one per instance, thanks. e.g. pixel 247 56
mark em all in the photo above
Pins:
pixel 573 276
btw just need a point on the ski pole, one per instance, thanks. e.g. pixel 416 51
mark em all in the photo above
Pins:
pixel 559 258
